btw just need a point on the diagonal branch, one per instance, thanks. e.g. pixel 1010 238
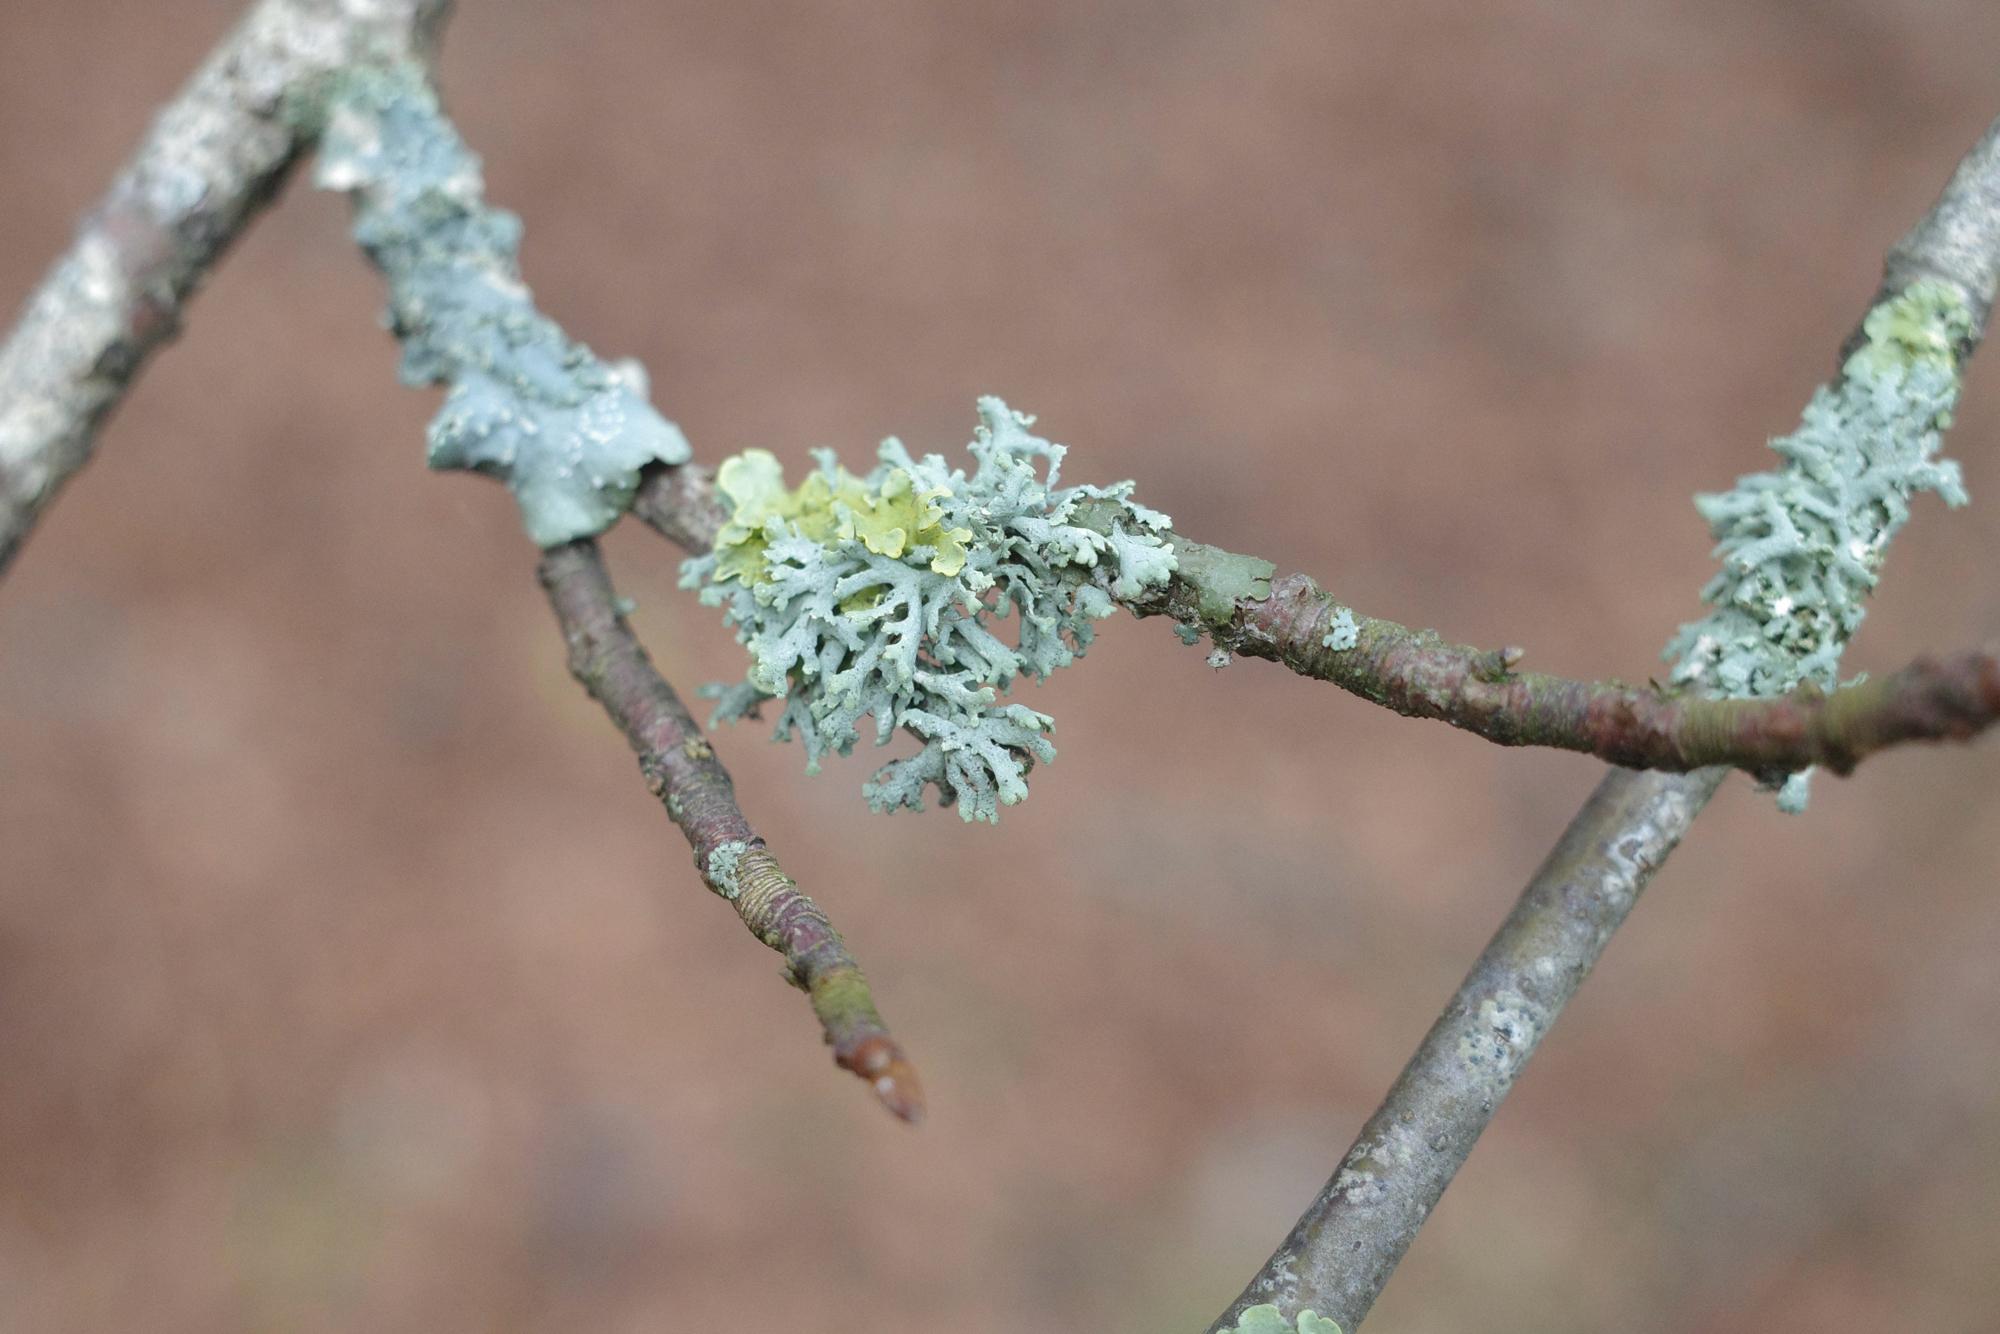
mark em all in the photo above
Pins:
pixel 215 156
pixel 682 770
pixel 1342 1251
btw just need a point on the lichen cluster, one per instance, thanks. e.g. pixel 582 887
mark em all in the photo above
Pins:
pixel 527 404
pixel 1268 1320
pixel 880 596
pixel 1343 632
pixel 1802 546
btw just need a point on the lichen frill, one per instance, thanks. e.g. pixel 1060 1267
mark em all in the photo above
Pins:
pixel 527 404
pixel 1802 546
pixel 879 597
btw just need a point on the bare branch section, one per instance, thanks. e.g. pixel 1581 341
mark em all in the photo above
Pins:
pixel 682 770
pixel 679 503
pixel 1420 675
pixel 214 158
pixel 1341 1253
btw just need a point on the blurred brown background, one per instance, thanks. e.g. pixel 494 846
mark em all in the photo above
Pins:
pixel 350 980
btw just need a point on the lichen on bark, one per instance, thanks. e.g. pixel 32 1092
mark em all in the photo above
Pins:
pixel 526 403
pixel 1802 545
pixel 879 596
pixel 1268 1319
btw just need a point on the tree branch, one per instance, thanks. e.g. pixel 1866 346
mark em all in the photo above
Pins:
pixel 682 771
pixel 215 156
pixel 1417 673
pixel 679 503
pixel 1337 1258
pixel 1342 1251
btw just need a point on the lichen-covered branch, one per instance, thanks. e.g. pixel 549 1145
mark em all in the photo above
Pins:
pixel 1291 620
pixel 1801 546
pixel 567 432
pixel 840 627
pixel 681 769
pixel 1336 1260
pixel 214 157
pixel 1237 602
pixel 1957 244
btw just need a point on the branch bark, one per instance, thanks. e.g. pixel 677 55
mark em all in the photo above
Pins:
pixel 1340 1254
pixel 1419 674
pixel 214 158
pixel 682 771
pixel 679 503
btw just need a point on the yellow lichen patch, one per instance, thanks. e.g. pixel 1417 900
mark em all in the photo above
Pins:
pixel 900 517
pixel 826 506
pixel 754 484
pixel 1922 325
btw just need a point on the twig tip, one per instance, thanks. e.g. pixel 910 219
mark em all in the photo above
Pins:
pixel 881 1062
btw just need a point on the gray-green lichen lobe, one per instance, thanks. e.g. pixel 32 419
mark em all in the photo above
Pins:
pixel 1220 579
pixel 527 404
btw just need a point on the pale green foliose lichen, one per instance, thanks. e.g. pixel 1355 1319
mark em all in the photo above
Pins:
pixel 1802 546
pixel 566 432
pixel 1268 1319
pixel 879 596
pixel 1341 632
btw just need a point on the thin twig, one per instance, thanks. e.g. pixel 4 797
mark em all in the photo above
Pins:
pixel 683 772
pixel 215 156
pixel 1336 1260
pixel 1419 674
